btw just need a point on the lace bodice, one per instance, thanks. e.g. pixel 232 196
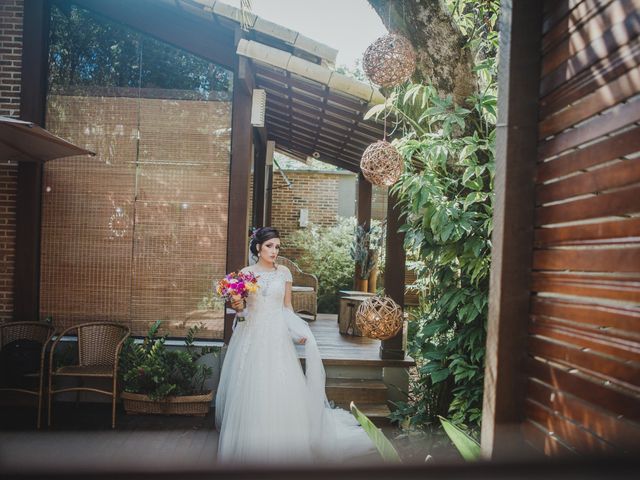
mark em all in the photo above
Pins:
pixel 270 294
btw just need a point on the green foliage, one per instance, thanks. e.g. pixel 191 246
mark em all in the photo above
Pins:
pixel 468 447
pixel 152 369
pixel 326 255
pixel 382 443
pixel 89 51
pixel 446 198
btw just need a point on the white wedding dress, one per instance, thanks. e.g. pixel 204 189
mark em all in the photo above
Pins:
pixel 267 409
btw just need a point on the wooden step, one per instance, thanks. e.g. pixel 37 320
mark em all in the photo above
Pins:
pixel 378 413
pixel 347 390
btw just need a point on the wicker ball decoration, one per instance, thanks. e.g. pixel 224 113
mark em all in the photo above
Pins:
pixel 381 164
pixel 379 317
pixel 390 60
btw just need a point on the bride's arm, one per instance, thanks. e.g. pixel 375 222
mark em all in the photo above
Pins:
pixel 288 305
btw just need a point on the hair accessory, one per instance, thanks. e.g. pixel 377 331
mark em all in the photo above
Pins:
pixel 254 232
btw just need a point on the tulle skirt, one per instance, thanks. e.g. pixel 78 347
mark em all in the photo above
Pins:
pixel 268 410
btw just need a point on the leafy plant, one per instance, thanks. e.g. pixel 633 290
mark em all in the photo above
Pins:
pixel 446 195
pixel 468 447
pixel 326 255
pixel 150 368
pixel 382 443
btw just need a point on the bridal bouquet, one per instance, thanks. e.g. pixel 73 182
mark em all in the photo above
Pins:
pixel 237 285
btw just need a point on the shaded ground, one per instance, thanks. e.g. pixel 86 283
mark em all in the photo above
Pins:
pixel 82 436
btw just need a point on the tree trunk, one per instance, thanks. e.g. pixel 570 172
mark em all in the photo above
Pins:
pixel 437 41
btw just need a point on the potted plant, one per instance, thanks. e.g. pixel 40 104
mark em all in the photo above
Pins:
pixel 365 251
pixel 157 380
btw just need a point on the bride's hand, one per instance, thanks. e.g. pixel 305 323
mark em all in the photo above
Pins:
pixel 237 304
pixel 302 340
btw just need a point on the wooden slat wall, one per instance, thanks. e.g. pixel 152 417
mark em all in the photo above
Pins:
pixel 583 372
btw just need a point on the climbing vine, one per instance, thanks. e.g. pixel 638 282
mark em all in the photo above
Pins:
pixel 446 198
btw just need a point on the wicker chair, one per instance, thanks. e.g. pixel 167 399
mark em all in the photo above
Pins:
pixel 304 294
pixel 99 345
pixel 37 332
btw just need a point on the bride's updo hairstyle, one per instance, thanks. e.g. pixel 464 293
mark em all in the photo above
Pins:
pixel 260 236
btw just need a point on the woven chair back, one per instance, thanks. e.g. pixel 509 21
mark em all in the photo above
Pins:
pixel 97 343
pixel 36 331
pixel 293 268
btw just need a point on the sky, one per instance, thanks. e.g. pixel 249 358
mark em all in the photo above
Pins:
pixel 347 25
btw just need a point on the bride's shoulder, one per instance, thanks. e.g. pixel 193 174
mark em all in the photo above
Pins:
pixel 246 269
pixel 284 270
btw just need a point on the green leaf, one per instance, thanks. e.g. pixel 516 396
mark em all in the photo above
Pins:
pixel 382 443
pixel 375 111
pixel 440 375
pixel 466 445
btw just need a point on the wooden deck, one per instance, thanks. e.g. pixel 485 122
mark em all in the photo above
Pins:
pixel 337 349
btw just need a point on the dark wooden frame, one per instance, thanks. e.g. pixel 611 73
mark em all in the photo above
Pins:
pixel 29 189
pixel 394 275
pixel 509 296
pixel 239 173
pixel 363 212
pixel 259 172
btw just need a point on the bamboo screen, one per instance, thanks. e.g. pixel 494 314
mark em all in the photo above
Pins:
pixel 138 233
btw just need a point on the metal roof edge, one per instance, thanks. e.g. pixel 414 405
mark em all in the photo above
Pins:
pixel 274 30
pixel 312 71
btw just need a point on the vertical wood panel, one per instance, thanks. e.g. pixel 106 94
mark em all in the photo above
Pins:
pixel 518 81
pixel 259 170
pixel 240 170
pixel 584 337
pixel 394 275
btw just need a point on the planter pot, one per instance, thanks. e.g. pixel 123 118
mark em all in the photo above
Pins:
pixel 362 284
pixel 373 280
pixel 197 405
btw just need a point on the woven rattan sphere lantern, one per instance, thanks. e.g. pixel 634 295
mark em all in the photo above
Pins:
pixel 390 60
pixel 379 317
pixel 381 164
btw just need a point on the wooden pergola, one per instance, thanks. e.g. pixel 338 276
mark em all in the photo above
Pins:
pixel 311 110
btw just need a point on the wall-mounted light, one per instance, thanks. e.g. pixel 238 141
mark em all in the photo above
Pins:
pixel 258 107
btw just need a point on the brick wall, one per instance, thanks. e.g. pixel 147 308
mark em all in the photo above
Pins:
pixel 10 67
pixel 315 191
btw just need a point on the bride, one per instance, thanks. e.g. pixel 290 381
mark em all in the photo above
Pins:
pixel 267 409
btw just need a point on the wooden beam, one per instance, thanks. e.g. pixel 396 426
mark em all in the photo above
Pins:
pixel 363 212
pixel 394 275
pixel 29 196
pixel 513 220
pixel 171 25
pixel 245 75
pixel 364 201
pixel 352 167
pixel 239 173
pixel 268 201
pixel 259 167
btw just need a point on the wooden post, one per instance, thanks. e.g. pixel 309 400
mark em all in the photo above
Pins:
pixel 513 220
pixel 364 218
pixel 268 193
pixel 394 275
pixel 240 170
pixel 29 197
pixel 259 171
